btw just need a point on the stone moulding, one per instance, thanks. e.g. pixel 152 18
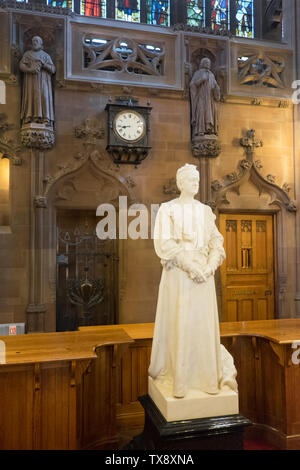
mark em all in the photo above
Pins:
pixel 8 147
pixel 40 202
pixel 247 170
pixel 206 148
pixel 90 131
pixel 41 138
pixel 202 30
pixel 103 165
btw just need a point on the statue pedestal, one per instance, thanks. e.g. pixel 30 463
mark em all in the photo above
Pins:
pixel 38 136
pixel 194 405
pixel 215 433
pixel 206 146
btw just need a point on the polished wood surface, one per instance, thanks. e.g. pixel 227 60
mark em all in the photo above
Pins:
pixel 58 390
pixel 285 331
pixel 247 274
pixel 74 390
pixel 134 330
pixel 53 347
pixel 277 331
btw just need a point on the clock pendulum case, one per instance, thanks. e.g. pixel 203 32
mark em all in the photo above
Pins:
pixel 128 132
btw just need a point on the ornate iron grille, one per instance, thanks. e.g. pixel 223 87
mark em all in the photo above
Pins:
pixel 86 278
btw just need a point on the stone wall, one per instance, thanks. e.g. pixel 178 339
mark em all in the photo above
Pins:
pixel 27 248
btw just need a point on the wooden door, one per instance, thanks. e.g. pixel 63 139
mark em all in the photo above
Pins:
pixel 247 275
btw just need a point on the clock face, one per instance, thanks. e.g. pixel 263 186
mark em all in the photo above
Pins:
pixel 129 126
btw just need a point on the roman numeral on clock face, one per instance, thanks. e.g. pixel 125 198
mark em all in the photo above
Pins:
pixel 129 126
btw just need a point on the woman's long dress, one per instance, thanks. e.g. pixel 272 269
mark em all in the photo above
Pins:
pixel 186 345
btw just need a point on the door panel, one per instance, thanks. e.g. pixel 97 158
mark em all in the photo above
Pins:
pixel 247 275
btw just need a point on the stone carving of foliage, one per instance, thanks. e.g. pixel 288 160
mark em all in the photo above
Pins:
pixel 90 131
pixel 123 55
pixel 271 178
pixel 222 31
pixel 261 70
pixel 248 169
pixel 9 146
pixel 171 187
pixel 286 188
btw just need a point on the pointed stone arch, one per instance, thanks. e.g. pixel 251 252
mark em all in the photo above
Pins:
pixel 100 168
pixel 106 175
pixel 249 171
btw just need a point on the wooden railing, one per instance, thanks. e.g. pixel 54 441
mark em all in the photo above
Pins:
pixel 70 390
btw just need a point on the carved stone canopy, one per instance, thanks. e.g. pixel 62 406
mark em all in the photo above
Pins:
pixel 249 170
pixel 68 180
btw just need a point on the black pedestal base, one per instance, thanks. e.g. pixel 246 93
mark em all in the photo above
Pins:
pixel 220 433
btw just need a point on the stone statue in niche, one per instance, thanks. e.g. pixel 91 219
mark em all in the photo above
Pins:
pixel 205 97
pixel 37 110
pixel 187 358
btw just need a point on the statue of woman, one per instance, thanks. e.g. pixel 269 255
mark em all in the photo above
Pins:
pixel 37 99
pixel 205 95
pixel 186 350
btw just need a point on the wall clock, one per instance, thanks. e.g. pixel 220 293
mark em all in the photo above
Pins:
pixel 128 131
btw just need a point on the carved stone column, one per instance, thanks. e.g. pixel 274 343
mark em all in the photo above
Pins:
pixel 36 308
pixel 294 31
pixel 205 189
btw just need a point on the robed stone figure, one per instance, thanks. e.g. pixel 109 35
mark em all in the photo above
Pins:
pixel 37 96
pixel 205 95
pixel 186 351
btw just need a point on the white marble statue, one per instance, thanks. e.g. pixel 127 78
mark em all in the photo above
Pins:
pixel 186 349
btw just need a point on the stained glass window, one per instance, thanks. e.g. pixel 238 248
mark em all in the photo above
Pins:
pixel 220 14
pixel 93 8
pixel 158 12
pixel 61 3
pixel 195 11
pixel 128 10
pixel 244 18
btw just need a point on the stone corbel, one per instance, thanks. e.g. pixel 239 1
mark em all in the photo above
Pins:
pixel 40 202
pixel 37 136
